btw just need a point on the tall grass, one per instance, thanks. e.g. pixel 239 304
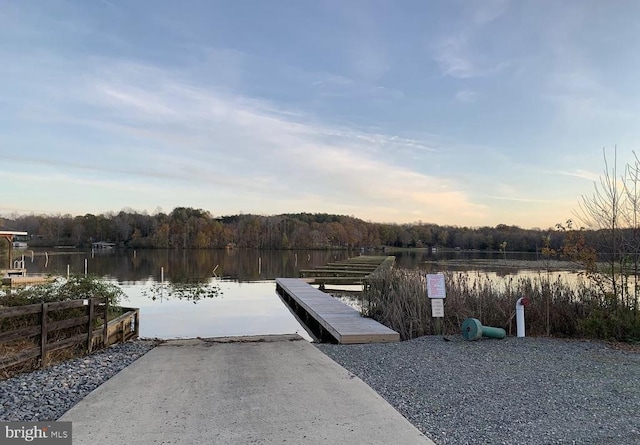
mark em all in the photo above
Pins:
pixel 398 299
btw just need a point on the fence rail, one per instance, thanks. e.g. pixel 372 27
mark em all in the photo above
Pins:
pixel 120 329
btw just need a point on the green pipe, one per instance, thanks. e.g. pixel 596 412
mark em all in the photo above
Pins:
pixel 493 332
pixel 472 330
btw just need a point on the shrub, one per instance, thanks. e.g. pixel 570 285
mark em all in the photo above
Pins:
pixel 73 288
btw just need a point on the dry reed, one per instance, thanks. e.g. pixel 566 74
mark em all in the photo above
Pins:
pixel 398 299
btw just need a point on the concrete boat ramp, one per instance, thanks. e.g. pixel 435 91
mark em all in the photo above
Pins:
pixel 265 390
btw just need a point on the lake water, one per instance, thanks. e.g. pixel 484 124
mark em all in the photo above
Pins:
pixel 245 302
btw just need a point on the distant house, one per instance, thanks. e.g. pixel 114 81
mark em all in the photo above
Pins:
pixel 10 235
pixel 102 245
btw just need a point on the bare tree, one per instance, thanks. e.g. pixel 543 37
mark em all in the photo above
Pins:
pixel 612 213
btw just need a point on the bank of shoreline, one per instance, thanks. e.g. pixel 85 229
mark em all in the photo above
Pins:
pixel 511 391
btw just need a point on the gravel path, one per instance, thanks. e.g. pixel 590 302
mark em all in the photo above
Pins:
pixel 48 393
pixel 512 391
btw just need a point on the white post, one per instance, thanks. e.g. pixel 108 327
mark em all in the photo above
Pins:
pixel 68 269
pixel 161 283
pixel 520 317
pixel 86 265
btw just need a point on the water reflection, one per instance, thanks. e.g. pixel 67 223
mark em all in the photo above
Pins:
pixel 129 266
pixel 193 291
pixel 239 309
pixel 234 290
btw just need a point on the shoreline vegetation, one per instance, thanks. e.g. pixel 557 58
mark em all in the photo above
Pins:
pixel 557 307
pixel 189 228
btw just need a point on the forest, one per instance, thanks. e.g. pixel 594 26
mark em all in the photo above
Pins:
pixel 189 228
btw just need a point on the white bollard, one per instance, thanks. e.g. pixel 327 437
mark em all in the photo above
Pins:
pixel 520 304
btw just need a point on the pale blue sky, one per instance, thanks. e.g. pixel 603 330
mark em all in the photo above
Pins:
pixel 466 113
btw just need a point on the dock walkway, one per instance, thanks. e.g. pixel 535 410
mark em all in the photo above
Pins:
pixel 348 272
pixel 331 316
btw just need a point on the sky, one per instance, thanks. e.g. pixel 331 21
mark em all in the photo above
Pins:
pixel 466 113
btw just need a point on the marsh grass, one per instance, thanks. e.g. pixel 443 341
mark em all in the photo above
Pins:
pixel 398 299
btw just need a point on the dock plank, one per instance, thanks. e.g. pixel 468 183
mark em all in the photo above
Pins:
pixel 343 322
pixel 352 271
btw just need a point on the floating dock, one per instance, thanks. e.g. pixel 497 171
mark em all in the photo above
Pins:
pixel 328 318
pixel 23 280
pixel 352 271
pixel 19 277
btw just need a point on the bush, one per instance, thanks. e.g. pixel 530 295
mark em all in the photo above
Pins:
pixel 74 288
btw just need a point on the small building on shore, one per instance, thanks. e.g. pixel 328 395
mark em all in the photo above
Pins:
pixel 101 245
pixel 10 235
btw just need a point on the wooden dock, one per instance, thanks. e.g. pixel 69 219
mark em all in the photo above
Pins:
pixel 19 277
pixel 351 271
pixel 328 318
pixel 25 280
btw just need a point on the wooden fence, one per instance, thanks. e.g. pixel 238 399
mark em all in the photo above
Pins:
pixel 95 336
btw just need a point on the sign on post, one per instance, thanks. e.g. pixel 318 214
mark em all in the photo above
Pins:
pixel 437 307
pixel 435 286
pixel 437 293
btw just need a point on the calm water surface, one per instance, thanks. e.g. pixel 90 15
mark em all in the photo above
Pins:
pixel 246 303
pixel 241 308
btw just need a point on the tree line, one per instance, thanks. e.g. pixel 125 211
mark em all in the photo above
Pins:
pixel 189 228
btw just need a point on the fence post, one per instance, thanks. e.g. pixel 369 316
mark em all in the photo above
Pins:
pixel 90 327
pixel 136 326
pixel 43 335
pixel 105 331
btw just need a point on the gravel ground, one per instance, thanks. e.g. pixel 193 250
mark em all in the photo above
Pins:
pixel 46 394
pixel 512 391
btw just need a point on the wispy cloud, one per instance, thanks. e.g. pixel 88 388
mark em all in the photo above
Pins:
pixel 325 79
pixel 367 51
pixel 466 96
pixel 457 59
pixel 172 129
pixel 589 176
pixel 458 56
pixel 317 107
pixel 489 10
pixel 521 199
